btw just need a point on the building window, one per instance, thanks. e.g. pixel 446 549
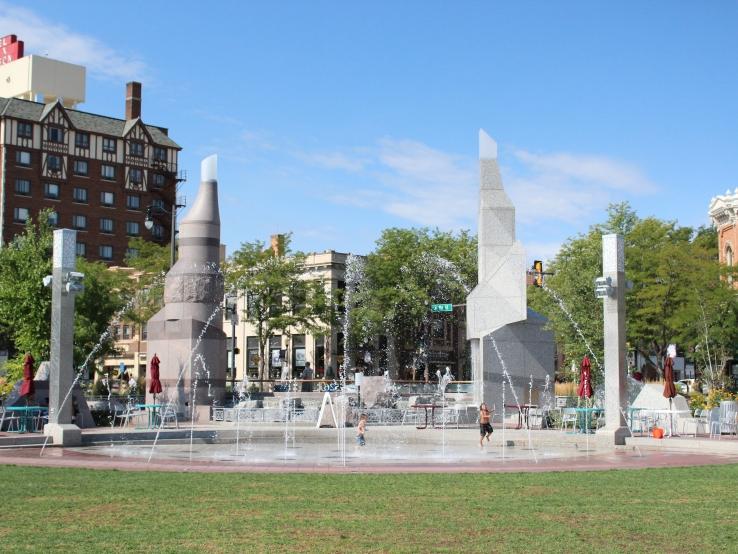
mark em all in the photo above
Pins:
pixel 136 175
pixel 20 215
pixel 51 190
pixel 729 256
pixel 81 249
pixel 106 225
pixel 55 134
pixel 25 130
pixel 126 331
pixel 131 253
pixel 136 148
pixel 106 252
pixel 158 203
pixel 53 163
pixel 109 145
pixel 158 180
pixel 108 172
pixel 133 201
pixel 82 140
pixel 53 219
pixel 23 158
pixel 79 222
pixel 132 228
pixel 107 198
pixel 157 230
pixel 81 167
pixel 23 186
pixel 252 352
pixel 160 154
pixel 79 194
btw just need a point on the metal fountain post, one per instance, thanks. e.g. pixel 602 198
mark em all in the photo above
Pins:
pixel 611 287
pixel 65 283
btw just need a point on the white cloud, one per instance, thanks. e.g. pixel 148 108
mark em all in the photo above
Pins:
pixel 45 37
pixel 595 170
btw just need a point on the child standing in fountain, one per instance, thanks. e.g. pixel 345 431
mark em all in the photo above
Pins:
pixel 485 427
pixel 360 430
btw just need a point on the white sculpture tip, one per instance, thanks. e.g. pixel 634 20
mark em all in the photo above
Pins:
pixel 209 168
pixel 487 146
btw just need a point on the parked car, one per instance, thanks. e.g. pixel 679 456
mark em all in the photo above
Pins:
pixel 687 386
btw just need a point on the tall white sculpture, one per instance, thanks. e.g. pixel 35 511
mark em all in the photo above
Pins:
pixel 498 304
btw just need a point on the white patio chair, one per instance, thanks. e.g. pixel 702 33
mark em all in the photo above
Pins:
pixel 535 418
pixel 568 415
pixel 169 414
pixel 8 417
pixel 728 417
pixel 715 427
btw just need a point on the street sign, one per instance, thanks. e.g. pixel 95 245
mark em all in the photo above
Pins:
pixel 442 307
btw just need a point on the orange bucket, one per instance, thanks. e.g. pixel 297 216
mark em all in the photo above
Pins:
pixel 657 432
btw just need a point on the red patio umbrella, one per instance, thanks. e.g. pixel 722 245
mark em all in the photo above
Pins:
pixel 669 388
pixel 155 385
pixel 27 386
pixel 585 379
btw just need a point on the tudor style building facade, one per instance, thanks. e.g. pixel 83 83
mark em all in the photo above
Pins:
pixel 97 174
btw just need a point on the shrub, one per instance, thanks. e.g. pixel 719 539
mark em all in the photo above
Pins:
pixel 99 388
pixel 715 396
pixel 697 401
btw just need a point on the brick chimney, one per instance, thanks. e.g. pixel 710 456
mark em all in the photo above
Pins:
pixel 133 100
pixel 277 245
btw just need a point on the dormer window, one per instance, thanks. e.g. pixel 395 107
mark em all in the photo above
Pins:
pixel 136 148
pixel 55 134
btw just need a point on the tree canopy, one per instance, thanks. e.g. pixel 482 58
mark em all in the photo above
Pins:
pixel 678 295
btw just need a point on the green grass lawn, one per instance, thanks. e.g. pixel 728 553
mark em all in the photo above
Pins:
pixel 652 510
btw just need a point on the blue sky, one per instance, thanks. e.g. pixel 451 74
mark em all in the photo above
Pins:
pixel 335 120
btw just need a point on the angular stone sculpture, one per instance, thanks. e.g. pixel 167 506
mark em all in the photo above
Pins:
pixel 497 307
pixel 187 333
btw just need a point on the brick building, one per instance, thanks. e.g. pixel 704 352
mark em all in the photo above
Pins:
pixel 723 212
pixel 98 174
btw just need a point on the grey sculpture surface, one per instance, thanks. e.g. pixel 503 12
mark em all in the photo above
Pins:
pixel 186 334
pixel 497 307
pixel 613 267
pixel 61 373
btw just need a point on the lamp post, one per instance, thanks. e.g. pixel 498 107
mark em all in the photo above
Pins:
pixel 149 223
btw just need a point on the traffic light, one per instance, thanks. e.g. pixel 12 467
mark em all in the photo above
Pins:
pixel 538 273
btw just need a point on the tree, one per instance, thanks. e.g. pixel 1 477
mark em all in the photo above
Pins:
pixel 25 303
pixel 409 270
pixel 678 295
pixel 150 263
pixel 278 296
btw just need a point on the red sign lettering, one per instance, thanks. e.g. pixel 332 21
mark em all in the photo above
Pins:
pixel 10 49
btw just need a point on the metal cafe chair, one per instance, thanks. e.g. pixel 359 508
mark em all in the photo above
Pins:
pixel 10 418
pixel 169 414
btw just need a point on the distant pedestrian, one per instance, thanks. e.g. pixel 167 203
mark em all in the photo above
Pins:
pixel 360 430
pixel 485 427
pixel 307 375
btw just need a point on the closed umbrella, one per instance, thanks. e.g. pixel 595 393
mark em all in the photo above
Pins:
pixel 585 379
pixel 155 385
pixel 27 385
pixel 585 388
pixel 669 388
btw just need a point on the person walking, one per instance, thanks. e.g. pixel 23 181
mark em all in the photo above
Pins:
pixel 485 427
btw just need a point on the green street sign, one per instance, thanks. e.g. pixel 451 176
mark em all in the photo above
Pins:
pixel 442 307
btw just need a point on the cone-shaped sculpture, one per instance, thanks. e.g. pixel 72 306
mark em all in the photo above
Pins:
pixel 187 333
pixel 497 307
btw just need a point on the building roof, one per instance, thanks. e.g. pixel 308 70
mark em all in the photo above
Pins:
pixel 82 121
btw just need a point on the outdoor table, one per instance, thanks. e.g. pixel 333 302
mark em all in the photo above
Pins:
pixel 151 411
pixel 26 415
pixel 584 416
pixel 671 413
pixel 523 413
pixel 433 414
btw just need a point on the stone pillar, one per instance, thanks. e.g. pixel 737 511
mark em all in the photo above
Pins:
pixel 613 266
pixel 61 375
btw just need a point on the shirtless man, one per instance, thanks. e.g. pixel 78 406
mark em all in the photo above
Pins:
pixel 485 428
